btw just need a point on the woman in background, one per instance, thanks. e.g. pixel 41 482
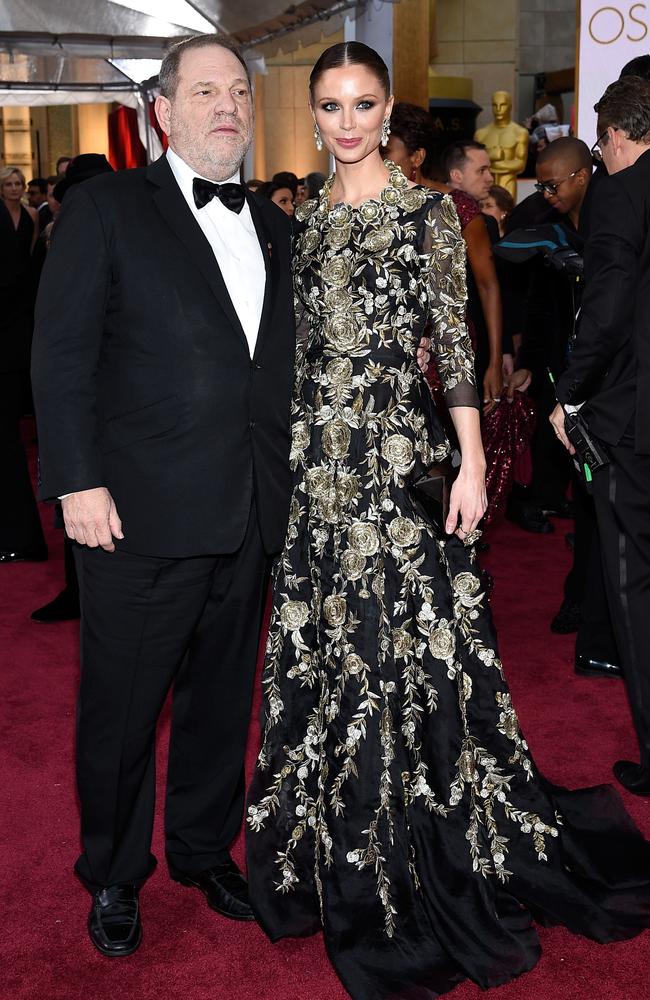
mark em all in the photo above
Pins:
pixel 499 204
pixel 280 194
pixel 506 430
pixel 21 535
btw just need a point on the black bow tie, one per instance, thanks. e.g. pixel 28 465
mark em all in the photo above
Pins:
pixel 231 195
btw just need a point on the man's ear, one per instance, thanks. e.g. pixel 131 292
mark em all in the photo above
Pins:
pixel 163 111
pixel 455 176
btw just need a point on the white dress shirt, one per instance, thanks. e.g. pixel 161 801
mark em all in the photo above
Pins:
pixel 235 245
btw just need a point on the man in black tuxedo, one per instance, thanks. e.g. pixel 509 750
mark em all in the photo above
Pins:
pixel 610 373
pixel 163 361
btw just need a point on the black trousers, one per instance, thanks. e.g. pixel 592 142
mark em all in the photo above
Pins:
pixel 622 499
pixel 20 525
pixel 147 623
pixel 552 467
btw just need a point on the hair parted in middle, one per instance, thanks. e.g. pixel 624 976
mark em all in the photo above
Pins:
pixel 350 54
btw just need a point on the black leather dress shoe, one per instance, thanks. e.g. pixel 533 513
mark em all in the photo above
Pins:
pixel 530 519
pixel 225 889
pixel 634 777
pixel 64 608
pixel 589 667
pixel 23 555
pixel 114 921
pixel 566 509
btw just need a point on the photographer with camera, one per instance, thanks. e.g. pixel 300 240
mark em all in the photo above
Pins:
pixel 548 314
pixel 609 372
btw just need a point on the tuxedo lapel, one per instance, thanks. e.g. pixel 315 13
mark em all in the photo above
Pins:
pixel 266 243
pixel 171 204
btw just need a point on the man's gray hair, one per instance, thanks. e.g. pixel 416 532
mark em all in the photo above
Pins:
pixel 168 76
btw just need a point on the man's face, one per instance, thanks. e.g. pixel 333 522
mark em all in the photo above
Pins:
pixel 209 120
pixel 568 191
pixel 54 205
pixel 474 177
pixel 501 107
pixel 35 196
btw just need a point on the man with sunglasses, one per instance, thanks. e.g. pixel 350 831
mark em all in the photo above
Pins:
pixel 548 314
pixel 610 373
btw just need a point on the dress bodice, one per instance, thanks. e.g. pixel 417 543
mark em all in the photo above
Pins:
pixel 370 281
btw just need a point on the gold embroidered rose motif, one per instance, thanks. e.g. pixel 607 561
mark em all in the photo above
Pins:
pixel 337 272
pixel 353 564
pixel 293 615
pixel 341 332
pixel 336 439
pixel 403 532
pixel 318 482
pixel 364 538
pixel 398 452
pixel 442 643
pixel 334 609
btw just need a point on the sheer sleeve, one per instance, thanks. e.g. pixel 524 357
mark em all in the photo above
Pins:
pixel 444 276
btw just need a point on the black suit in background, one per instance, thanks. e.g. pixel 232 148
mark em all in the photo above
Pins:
pixel 610 372
pixel 20 525
pixel 144 384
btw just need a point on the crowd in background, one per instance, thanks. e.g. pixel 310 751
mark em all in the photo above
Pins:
pixel 521 312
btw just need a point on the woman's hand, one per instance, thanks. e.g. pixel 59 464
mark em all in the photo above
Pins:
pixel 518 382
pixel 492 388
pixel 468 501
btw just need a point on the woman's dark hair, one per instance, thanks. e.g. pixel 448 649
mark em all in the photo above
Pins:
pixel 413 125
pixel 626 105
pixel 268 189
pixel 286 178
pixel 350 54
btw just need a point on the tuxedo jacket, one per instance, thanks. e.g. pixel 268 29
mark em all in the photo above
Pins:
pixel 610 365
pixel 142 376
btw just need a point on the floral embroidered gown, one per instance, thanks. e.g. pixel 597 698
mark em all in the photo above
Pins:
pixel 395 803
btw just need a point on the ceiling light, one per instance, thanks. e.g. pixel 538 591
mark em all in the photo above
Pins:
pixel 173 11
pixel 137 70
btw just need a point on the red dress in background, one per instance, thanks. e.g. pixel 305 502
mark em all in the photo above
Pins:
pixel 507 430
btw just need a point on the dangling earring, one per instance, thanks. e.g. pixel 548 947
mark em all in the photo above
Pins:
pixel 318 139
pixel 385 131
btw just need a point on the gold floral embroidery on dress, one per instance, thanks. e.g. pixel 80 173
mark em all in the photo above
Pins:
pixel 379 631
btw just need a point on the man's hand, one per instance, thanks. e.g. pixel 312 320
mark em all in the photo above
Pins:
pixel 518 382
pixel 492 388
pixel 557 423
pixel 424 354
pixel 91 518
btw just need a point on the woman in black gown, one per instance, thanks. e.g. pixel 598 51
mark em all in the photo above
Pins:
pixel 395 803
pixel 21 535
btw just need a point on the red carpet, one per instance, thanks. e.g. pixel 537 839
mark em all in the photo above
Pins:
pixel 576 729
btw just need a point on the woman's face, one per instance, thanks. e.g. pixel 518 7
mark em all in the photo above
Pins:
pixel 349 108
pixel 284 198
pixel 13 188
pixel 490 207
pixel 399 154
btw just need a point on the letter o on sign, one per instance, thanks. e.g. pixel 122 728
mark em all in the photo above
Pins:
pixel 606 25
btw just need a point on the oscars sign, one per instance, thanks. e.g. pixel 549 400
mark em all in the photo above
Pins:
pixel 610 34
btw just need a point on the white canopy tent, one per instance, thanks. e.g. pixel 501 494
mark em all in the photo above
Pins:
pixel 101 51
